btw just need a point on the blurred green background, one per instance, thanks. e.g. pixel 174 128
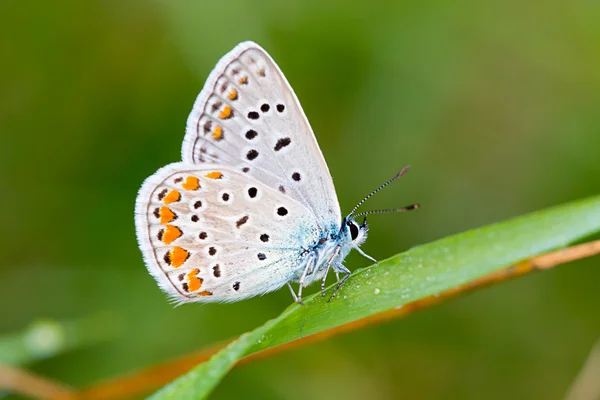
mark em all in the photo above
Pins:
pixel 494 104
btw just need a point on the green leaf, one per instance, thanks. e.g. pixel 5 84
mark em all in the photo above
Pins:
pixel 417 273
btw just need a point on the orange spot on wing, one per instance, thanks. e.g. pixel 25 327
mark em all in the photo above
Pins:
pixel 178 256
pixel 217 133
pixel 233 95
pixel 172 197
pixel 194 282
pixel 166 215
pixel 191 183
pixel 171 233
pixel 226 113
pixel 243 80
pixel 214 175
pixel 205 293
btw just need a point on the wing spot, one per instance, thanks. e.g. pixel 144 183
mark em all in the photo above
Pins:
pixel 162 194
pixel 205 293
pixel 252 192
pixel 296 176
pixel 214 175
pixel 194 283
pixel 217 133
pixel 253 115
pixel 264 238
pixel 245 169
pixel 252 154
pixel 281 189
pixel 282 211
pixel 207 126
pixel 202 235
pixel 265 107
pixel 195 218
pixel 241 221
pixel 243 80
pixel 281 143
pixel 170 234
pixel 216 106
pixel 172 197
pixel 233 95
pixel 236 286
pixel 225 197
pixel 197 204
pixel 261 256
pixel 181 276
pixel 251 134
pixel 177 180
pixel 212 251
pixel 226 113
pixel 217 271
pixel 261 72
pixel 177 256
pixel 280 107
pixel 191 183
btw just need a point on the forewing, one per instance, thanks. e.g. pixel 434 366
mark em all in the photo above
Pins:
pixel 211 233
pixel 248 117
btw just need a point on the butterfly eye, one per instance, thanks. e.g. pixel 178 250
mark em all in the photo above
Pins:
pixel 353 230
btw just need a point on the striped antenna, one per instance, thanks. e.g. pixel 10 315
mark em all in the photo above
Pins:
pixel 398 175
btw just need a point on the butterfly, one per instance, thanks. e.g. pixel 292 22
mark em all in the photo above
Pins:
pixel 252 206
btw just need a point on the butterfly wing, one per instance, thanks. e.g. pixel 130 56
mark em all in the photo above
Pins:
pixel 210 233
pixel 248 117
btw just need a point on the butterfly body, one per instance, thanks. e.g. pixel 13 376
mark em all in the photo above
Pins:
pixel 330 250
pixel 252 206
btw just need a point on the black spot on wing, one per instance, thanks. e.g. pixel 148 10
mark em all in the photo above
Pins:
pixel 281 143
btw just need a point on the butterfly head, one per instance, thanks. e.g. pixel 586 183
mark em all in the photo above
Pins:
pixel 354 232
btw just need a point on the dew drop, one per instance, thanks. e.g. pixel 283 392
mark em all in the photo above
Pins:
pixel 377 291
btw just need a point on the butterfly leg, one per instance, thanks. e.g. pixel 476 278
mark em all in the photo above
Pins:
pixel 341 283
pixel 335 253
pixel 296 299
pixel 309 264
pixel 362 253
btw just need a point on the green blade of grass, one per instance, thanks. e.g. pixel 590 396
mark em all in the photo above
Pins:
pixel 415 274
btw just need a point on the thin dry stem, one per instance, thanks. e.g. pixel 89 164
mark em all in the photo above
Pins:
pixel 587 384
pixel 28 384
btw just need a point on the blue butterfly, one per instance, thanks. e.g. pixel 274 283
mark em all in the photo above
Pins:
pixel 252 206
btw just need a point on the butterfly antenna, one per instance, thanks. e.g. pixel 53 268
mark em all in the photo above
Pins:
pixel 398 175
pixel 389 210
